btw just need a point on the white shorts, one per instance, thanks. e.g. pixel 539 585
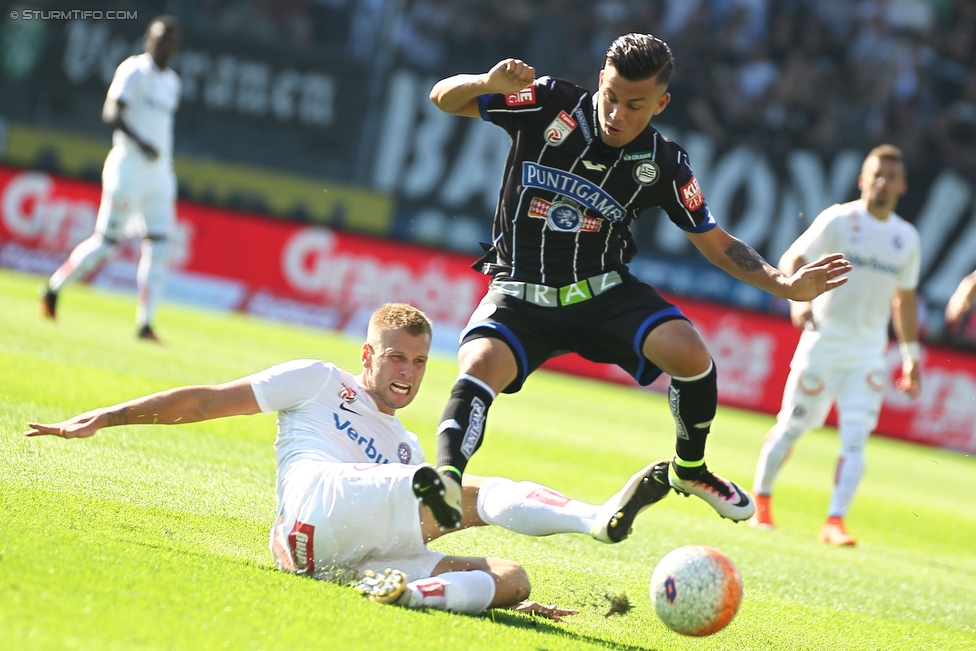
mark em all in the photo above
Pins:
pixel 337 520
pixel 138 197
pixel 811 389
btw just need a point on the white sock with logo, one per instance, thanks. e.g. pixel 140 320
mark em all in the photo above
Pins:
pixel 469 592
pixel 532 509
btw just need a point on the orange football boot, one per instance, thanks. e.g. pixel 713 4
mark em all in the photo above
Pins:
pixel 834 533
pixel 763 517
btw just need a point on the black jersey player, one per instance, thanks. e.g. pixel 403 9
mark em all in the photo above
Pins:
pixel 581 167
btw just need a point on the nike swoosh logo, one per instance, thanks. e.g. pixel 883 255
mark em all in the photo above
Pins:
pixel 743 498
pixel 343 407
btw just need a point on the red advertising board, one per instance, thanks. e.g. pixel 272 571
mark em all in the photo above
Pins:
pixel 327 278
pixel 752 352
pixel 242 262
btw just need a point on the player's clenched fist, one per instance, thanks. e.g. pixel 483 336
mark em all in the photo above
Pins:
pixel 510 75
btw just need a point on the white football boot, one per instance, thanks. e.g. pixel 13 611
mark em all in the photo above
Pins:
pixel 646 487
pixel 723 495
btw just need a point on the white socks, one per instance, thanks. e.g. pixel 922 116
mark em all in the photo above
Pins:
pixel 85 257
pixel 850 464
pixel 469 592
pixel 149 278
pixel 531 509
pixel 775 449
pixel 850 470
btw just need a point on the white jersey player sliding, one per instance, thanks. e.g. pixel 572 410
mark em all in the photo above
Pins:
pixel 840 356
pixel 354 496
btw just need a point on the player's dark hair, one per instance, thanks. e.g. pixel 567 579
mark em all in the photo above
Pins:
pixel 171 22
pixel 641 56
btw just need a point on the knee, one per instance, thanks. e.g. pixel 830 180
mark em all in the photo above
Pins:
pixel 490 360
pixel 677 349
pixel 853 442
pixel 794 423
pixel 511 583
pixel 854 432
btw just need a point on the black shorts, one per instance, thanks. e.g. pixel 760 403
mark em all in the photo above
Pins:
pixel 609 328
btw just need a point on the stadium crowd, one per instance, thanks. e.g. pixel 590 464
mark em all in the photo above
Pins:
pixel 778 75
pixel 818 74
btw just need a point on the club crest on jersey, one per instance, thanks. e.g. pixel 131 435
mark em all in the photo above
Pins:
pixel 541 209
pixel 647 173
pixel 691 195
pixel 522 98
pixel 564 217
pixel 403 453
pixel 559 128
pixel 347 394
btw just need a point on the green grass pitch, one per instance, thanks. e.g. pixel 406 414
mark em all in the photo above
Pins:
pixel 156 537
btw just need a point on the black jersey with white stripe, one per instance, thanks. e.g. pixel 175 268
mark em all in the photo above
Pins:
pixel 567 199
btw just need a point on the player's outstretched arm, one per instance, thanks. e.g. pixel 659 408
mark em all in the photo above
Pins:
pixel 741 261
pixel 183 405
pixel 458 95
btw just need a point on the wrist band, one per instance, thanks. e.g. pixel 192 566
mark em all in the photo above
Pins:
pixel 911 351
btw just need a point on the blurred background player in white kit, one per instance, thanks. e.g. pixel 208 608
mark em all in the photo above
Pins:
pixel 840 356
pixel 351 479
pixel 137 180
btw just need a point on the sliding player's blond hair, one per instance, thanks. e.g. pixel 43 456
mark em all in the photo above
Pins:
pixel 397 316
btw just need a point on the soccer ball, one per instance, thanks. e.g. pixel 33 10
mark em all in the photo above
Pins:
pixel 696 590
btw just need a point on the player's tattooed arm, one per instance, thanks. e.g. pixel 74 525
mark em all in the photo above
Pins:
pixel 745 257
pixel 191 404
pixel 117 417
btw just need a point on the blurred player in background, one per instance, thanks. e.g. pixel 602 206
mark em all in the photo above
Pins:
pixel 581 167
pixel 961 302
pixel 137 180
pixel 840 356
pixel 351 479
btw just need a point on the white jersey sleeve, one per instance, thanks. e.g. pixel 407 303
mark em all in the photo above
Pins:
pixel 820 238
pixel 126 81
pixel 289 385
